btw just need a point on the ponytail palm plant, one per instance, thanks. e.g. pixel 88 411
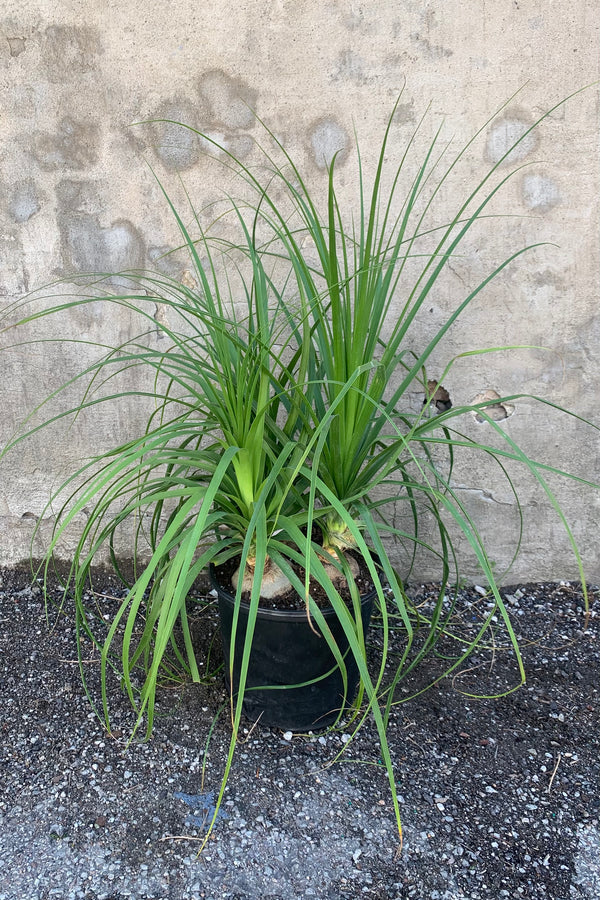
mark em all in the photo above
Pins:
pixel 279 414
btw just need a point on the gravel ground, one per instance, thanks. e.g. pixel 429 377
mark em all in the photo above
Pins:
pixel 500 798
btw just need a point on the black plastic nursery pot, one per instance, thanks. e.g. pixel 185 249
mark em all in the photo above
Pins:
pixel 293 680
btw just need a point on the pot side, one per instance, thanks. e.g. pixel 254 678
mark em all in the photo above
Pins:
pixel 293 680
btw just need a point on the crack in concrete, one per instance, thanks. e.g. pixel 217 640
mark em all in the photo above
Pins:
pixel 484 494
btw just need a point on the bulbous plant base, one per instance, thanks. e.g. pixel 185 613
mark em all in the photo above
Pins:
pixel 293 681
pixel 338 577
pixel 274 582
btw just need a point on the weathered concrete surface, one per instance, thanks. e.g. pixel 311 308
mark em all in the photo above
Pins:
pixel 75 193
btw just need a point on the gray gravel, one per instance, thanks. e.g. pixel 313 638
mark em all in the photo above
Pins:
pixel 500 798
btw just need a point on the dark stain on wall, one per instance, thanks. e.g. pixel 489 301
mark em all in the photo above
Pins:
pixel 428 49
pixel 73 146
pixel 223 109
pixel 68 51
pixel 231 101
pixel 87 245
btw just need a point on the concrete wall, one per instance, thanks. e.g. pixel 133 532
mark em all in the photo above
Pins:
pixel 76 194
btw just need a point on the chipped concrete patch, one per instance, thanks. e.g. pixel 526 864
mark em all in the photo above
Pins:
pixel 540 193
pixel 16 45
pixel 24 201
pixel 177 147
pixel 328 139
pixel 504 133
